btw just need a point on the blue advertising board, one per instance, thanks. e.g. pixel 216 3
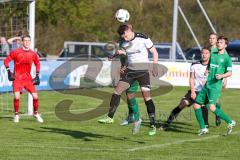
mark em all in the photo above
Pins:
pixel 47 67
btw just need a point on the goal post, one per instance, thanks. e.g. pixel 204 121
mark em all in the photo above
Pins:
pixel 17 16
pixel 32 35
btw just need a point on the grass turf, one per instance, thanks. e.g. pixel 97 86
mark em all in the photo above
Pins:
pixel 59 139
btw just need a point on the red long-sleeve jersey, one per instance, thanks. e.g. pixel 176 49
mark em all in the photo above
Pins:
pixel 22 63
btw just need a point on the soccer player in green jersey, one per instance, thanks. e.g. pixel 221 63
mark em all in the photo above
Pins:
pixel 220 67
pixel 213 48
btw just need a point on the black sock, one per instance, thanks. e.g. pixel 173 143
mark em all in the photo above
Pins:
pixel 115 100
pixel 173 114
pixel 151 111
pixel 205 114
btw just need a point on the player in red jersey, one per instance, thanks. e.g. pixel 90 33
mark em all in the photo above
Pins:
pixel 23 58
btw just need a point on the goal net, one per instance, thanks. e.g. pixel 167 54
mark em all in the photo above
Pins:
pixel 17 18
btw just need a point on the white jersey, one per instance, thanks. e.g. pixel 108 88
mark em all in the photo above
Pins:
pixel 199 69
pixel 137 51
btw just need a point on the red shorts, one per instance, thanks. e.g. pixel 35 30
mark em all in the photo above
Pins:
pixel 27 85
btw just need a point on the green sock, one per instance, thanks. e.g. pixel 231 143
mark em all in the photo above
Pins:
pixel 222 115
pixel 207 106
pixel 130 109
pixel 218 105
pixel 134 106
pixel 199 116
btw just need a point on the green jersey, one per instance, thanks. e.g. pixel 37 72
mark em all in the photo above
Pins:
pixel 213 50
pixel 219 64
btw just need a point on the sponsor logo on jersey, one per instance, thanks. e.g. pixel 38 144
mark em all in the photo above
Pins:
pixel 126 45
pixel 214 65
pixel 133 52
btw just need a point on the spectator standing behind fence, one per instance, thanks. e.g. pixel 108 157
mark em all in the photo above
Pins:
pixel 15 42
pixel 4 47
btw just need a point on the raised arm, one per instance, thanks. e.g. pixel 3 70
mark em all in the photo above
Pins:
pixel 10 40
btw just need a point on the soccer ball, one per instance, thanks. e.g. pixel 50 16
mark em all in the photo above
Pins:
pixel 122 15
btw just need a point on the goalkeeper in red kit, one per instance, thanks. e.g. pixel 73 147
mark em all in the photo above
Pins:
pixel 23 58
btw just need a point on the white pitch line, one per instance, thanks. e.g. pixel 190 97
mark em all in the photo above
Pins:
pixel 177 142
pixel 115 149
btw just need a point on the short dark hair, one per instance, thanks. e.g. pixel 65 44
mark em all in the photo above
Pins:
pixel 122 28
pixel 225 38
pixel 19 34
pixel 26 36
pixel 205 48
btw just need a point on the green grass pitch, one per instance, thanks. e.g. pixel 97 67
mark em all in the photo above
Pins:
pixel 88 140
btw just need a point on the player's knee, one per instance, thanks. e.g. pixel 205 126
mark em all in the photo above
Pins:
pixel 130 95
pixel 212 107
pixel 17 96
pixel 122 86
pixel 117 92
pixel 35 96
pixel 183 104
pixel 196 106
pixel 147 98
pixel 145 89
pixel 146 93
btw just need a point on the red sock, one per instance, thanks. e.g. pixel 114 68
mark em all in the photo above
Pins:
pixel 16 105
pixel 35 106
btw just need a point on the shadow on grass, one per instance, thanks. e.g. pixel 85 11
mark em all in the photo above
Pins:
pixel 174 124
pixel 174 127
pixel 86 136
pixel 10 118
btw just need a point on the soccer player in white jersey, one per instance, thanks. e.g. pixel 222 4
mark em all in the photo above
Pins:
pixel 136 46
pixel 196 81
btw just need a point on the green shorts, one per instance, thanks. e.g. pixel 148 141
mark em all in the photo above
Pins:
pixel 208 96
pixel 134 87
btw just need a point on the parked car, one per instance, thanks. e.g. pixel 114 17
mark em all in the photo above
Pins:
pixel 233 50
pixel 84 49
pixel 98 50
pixel 164 52
pixel 193 53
